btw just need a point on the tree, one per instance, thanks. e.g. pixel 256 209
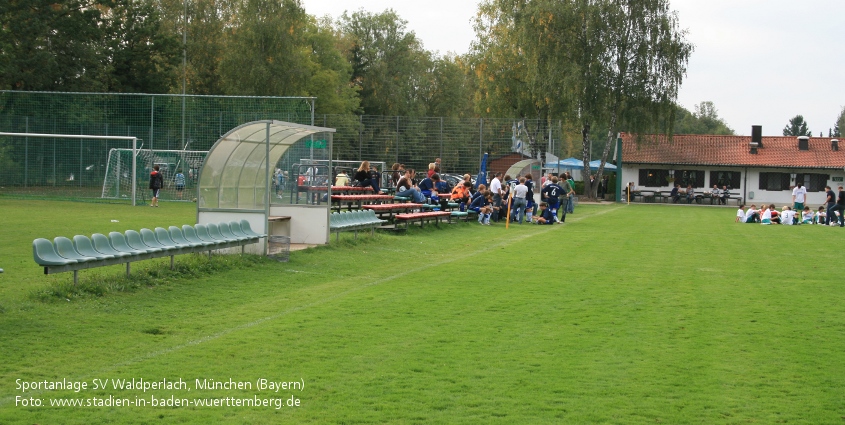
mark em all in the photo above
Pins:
pixel 705 120
pixel 389 65
pixel 610 64
pixel 796 127
pixel 140 57
pixel 840 124
pixel 51 45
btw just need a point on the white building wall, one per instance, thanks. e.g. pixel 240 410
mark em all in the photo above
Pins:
pixel 749 184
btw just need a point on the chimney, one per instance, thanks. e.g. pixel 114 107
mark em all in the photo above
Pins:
pixel 803 143
pixel 834 144
pixel 757 135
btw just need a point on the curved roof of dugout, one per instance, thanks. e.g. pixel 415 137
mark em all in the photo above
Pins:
pixel 237 171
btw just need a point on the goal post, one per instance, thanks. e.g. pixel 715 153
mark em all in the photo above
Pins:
pixel 90 137
pixel 125 168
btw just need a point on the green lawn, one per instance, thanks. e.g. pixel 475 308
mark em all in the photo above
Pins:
pixel 626 314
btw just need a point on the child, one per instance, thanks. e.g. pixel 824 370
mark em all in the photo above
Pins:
pixel 766 216
pixel 787 216
pixel 807 216
pixel 821 215
pixel 740 214
pixel 482 205
pixel 752 216
pixel 775 214
pixel 546 216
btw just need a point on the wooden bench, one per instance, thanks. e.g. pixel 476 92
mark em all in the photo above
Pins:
pixel 390 209
pixel 65 255
pixel 354 221
pixel 359 200
pixel 424 217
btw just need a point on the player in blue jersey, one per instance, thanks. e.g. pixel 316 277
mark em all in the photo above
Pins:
pixel 545 215
pixel 551 195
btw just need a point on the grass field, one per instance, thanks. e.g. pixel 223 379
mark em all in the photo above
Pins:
pixel 626 314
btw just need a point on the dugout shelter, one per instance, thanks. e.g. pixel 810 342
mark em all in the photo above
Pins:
pixel 236 183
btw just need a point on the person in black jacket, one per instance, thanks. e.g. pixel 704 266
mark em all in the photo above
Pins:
pixel 156 183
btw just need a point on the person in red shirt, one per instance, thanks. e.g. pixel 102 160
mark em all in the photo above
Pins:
pixel 156 183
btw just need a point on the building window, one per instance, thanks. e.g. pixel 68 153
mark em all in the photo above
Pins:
pixel 689 177
pixel 730 179
pixel 813 182
pixel 654 178
pixel 774 181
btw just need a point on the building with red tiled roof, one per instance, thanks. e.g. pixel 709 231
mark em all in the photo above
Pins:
pixel 764 172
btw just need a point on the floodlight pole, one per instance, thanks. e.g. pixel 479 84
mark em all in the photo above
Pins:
pixel 83 136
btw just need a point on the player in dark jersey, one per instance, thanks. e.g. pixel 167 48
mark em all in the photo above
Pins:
pixel 551 195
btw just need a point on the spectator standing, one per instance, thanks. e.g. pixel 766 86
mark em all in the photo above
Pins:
pixel 179 179
pixel 570 195
pixel 156 183
pixel 529 198
pixel 496 191
pixel 830 203
pixel 839 207
pixel 799 193
pixel 520 192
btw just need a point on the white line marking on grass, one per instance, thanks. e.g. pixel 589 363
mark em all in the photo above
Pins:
pixel 248 325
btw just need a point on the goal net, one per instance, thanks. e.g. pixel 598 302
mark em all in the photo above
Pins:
pixel 179 168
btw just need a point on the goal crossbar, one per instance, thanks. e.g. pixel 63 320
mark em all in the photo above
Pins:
pixel 83 136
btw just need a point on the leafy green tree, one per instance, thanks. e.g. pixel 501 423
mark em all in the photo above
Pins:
pixel 389 65
pixel 840 124
pixel 51 45
pixel 141 57
pixel 705 120
pixel 607 64
pixel 796 127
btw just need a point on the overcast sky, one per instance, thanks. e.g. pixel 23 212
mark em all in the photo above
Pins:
pixel 761 62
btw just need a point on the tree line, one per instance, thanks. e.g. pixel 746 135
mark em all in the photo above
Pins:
pixel 598 66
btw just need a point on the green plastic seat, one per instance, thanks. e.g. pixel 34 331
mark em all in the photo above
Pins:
pixel 177 236
pixel 84 246
pixel 133 239
pixel 149 239
pixel 103 245
pixel 45 254
pixel 235 227
pixel 164 237
pixel 247 230
pixel 119 243
pixel 191 235
pixel 214 232
pixel 227 232
pixel 64 247
pixel 202 233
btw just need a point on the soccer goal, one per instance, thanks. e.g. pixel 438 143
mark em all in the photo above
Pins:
pixel 180 169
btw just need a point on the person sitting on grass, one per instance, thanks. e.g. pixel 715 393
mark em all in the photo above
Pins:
pixel 787 216
pixel 752 215
pixel 821 216
pixel 551 195
pixel 807 216
pixel 740 214
pixel 766 215
pixel 545 215
pixel 775 214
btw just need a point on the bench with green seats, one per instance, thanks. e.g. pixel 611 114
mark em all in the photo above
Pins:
pixel 65 255
pixel 354 221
